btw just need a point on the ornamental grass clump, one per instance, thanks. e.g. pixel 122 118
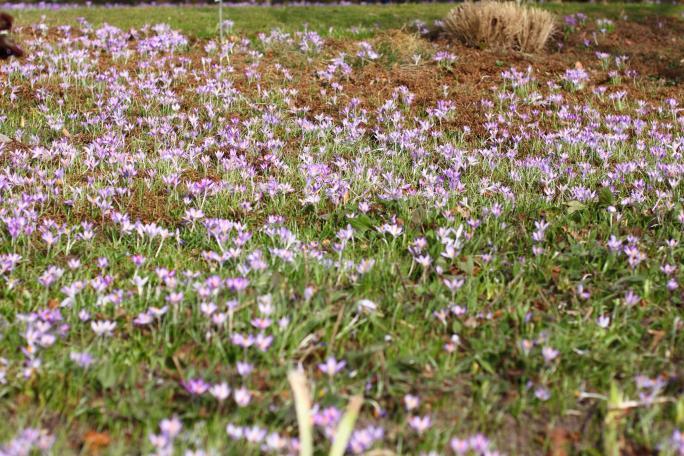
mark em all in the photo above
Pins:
pixel 500 25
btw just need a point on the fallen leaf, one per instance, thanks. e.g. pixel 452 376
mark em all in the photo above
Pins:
pixel 560 442
pixel 95 441
pixel 657 337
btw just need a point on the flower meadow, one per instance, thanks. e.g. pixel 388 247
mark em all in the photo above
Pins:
pixel 184 221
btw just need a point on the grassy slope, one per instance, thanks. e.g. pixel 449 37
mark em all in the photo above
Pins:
pixel 474 377
pixel 201 21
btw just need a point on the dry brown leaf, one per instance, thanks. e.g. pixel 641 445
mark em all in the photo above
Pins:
pixel 96 441
pixel 561 441
pixel 657 337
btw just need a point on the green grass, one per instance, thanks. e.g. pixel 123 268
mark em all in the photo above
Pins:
pixel 201 20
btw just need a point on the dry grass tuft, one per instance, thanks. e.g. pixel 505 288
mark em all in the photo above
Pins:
pixel 502 25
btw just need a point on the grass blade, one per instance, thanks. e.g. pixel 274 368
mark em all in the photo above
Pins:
pixel 346 427
pixel 302 400
pixel 611 435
